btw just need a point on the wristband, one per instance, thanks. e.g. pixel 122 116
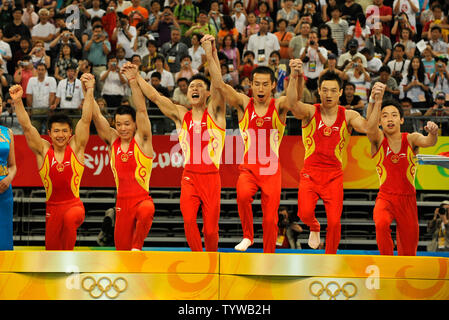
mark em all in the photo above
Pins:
pixel 371 100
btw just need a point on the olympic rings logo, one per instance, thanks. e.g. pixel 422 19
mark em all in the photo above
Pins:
pixel 333 289
pixel 104 285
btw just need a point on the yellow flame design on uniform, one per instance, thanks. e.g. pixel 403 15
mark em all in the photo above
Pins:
pixel 344 138
pixel 77 169
pixel 411 170
pixel 143 168
pixel 44 172
pixel 184 142
pixel 216 141
pixel 114 171
pixel 243 126
pixel 277 134
pixel 307 138
pixel 381 171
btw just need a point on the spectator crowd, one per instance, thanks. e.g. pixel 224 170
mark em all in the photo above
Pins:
pixel 46 45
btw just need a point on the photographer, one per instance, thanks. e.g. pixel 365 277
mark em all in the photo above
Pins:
pixel 97 48
pixel 163 25
pixel 440 110
pixel 141 40
pixel 65 37
pixel 248 65
pixel 440 79
pixel 113 84
pixel 314 58
pixel 289 230
pixel 439 228
pixel 186 70
pixel 24 71
pixel 69 95
pixel 202 27
pixel 124 34
pixel 401 21
pixel 109 19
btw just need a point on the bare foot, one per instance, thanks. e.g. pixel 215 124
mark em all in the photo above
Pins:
pixel 314 239
pixel 243 245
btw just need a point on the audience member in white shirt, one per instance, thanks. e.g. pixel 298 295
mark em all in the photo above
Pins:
pixel 167 80
pixel 124 34
pixel 45 30
pixel 114 84
pixel 40 95
pixel 69 95
pixel 314 58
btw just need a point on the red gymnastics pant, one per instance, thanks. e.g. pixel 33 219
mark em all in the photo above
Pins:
pixel 61 222
pixel 328 185
pixel 133 220
pixel 201 189
pixel 270 185
pixel 403 209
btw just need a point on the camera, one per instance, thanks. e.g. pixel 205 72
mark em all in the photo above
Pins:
pixel 312 43
pixel 273 60
pixel 305 60
pixel 356 65
pixel 23 63
pixel 442 211
pixel 68 98
pixel 114 64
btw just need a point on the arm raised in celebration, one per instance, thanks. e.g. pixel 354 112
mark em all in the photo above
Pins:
pixel 143 134
pixel 299 109
pixel 82 129
pixel 38 145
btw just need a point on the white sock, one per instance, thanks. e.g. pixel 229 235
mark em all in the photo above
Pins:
pixel 243 245
pixel 314 239
pixel 135 249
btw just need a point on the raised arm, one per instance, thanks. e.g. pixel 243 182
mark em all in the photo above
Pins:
pixel 34 140
pixel 82 127
pixel 373 132
pixel 104 129
pixel 418 140
pixel 299 109
pixel 171 110
pixel 233 98
pixel 217 102
pixel 143 133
